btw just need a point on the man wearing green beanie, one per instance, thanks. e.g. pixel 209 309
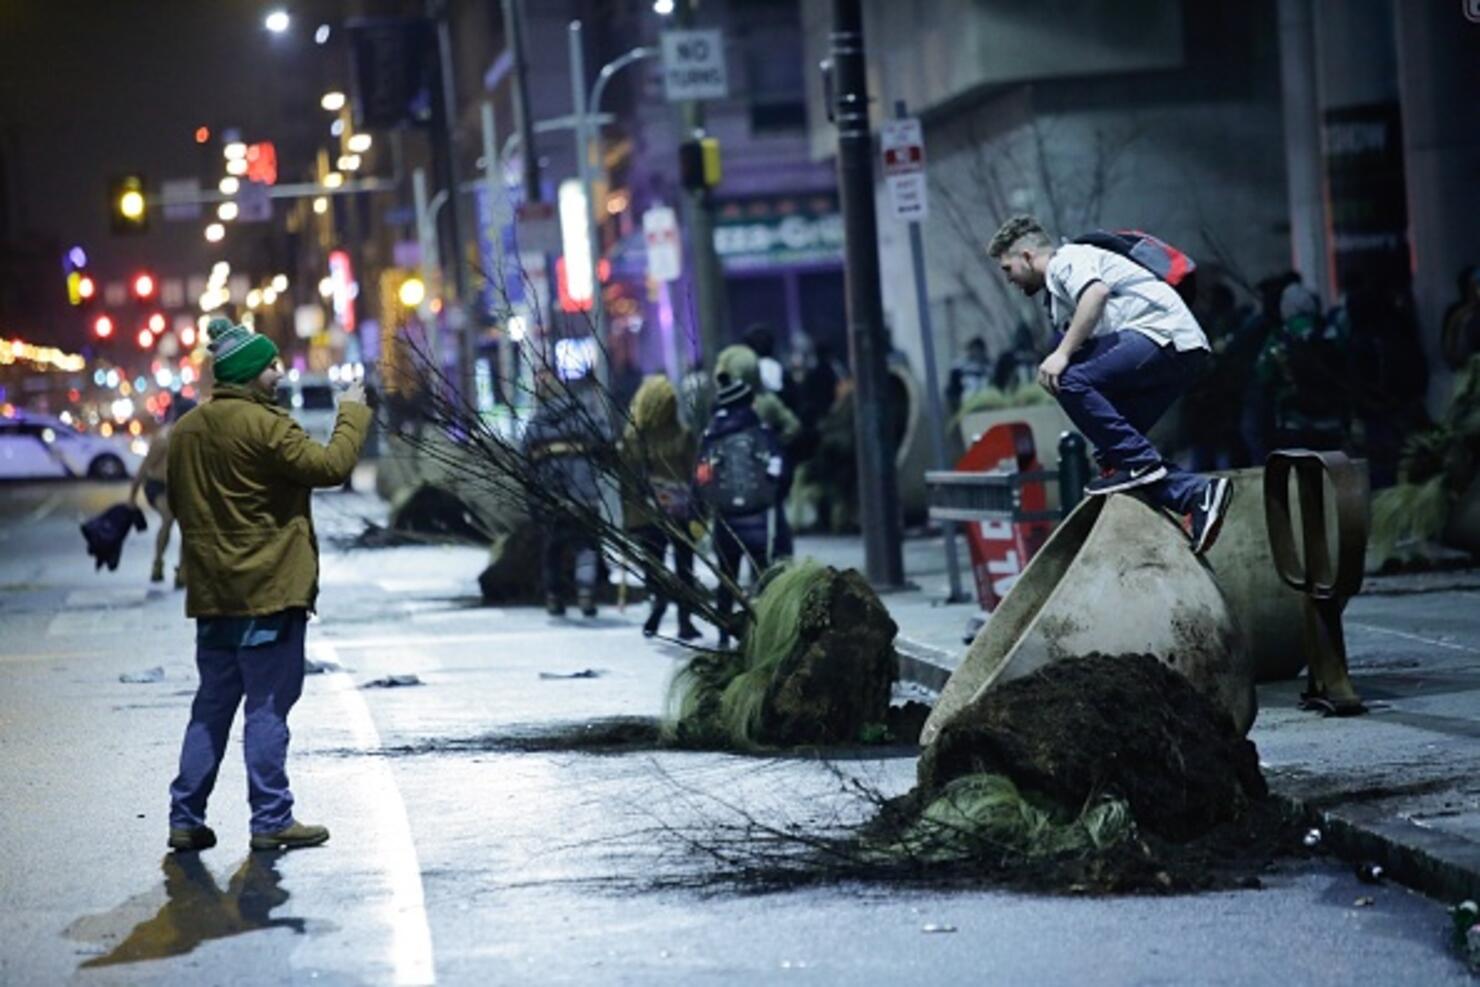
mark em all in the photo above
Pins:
pixel 241 473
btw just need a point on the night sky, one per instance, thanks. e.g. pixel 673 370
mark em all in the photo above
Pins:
pixel 93 88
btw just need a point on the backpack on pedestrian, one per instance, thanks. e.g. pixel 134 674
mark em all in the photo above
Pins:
pixel 735 475
pixel 1168 263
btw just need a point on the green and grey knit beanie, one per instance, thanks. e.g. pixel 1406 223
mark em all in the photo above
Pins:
pixel 239 353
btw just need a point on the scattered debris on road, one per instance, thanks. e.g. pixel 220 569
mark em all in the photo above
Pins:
pixel 392 682
pixel 585 673
pixel 146 677
pixel 312 666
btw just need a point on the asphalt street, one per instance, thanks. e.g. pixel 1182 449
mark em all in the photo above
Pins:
pixel 459 858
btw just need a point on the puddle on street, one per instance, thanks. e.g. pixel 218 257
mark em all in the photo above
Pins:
pixel 195 909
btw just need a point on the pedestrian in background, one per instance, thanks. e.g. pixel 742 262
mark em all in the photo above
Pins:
pixel 240 478
pixel 738 477
pixel 658 459
pixel 151 478
pixel 559 444
pixel 740 363
pixel 1305 368
pixel 969 375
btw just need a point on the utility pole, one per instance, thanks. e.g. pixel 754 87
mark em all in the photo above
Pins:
pixel 463 325
pixel 878 494
pixel 709 277
pixel 523 118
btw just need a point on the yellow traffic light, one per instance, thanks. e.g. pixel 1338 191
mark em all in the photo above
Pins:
pixel 131 204
pixel 127 204
pixel 413 292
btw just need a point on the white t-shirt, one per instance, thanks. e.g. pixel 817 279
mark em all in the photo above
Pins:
pixel 1138 299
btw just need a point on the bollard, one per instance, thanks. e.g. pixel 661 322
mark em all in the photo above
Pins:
pixel 1325 579
pixel 1073 470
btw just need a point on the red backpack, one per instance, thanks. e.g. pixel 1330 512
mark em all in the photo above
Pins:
pixel 1157 256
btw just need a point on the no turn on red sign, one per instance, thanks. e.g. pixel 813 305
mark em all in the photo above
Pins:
pixel 903 145
pixel 660 235
pixel 694 65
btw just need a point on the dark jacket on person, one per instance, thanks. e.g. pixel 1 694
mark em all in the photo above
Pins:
pixel 726 421
pixel 561 441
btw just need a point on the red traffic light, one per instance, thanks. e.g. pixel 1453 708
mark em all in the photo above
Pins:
pixel 103 327
pixel 144 286
pixel 202 134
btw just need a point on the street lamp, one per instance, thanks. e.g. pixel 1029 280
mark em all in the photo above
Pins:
pixel 215 232
pixel 230 185
pixel 332 101
pixel 131 204
pixel 277 21
pixel 413 292
pixel 227 211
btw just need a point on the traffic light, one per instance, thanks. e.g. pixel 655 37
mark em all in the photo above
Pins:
pixel 699 164
pixel 128 205
pixel 80 285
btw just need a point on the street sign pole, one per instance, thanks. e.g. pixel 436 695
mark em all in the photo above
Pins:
pixel 932 377
pixel 878 493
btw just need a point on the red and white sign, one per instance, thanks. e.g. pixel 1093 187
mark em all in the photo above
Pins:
pixel 664 253
pixel 903 144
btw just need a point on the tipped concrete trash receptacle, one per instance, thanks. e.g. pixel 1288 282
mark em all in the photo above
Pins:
pixel 1116 577
pixel 1270 614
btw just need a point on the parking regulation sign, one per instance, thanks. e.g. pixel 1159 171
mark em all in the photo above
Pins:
pixel 903 145
pixel 694 65
pixel 660 236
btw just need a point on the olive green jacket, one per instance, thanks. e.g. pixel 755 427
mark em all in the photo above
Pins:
pixel 241 471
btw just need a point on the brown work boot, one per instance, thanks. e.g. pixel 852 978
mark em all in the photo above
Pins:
pixel 296 835
pixel 194 838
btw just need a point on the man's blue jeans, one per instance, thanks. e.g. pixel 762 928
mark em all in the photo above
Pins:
pixel 270 677
pixel 1116 387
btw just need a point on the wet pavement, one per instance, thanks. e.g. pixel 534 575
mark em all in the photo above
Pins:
pixel 464 852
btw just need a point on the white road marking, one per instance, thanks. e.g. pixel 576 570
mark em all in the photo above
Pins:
pixel 44 511
pixel 411 936
pixel 1451 645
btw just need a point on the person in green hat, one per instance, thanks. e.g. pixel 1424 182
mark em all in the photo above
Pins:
pixel 239 480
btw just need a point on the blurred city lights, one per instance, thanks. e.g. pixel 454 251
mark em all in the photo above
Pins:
pixel 144 285
pixel 105 429
pixel 326 287
pixel 103 327
pixel 277 21
pixel 321 34
pixel 77 256
pixel 235 151
pixel 269 297
pixel 202 134
pixel 156 323
pixel 333 180
pixel 230 185
pixel 662 7
pixel 236 166
pixel 348 162
pixel 215 232
pixel 254 298
pixel 336 128
pixel 320 205
pixel 145 339
pixel 227 211
pixel 187 337
pixel 358 143
pixel 86 287
pixel 332 101
pixel 280 283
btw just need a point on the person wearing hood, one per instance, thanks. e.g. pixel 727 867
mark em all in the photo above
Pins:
pixel 658 462
pixel 740 363
pixel 559 444
pixel 738 475
pixel 239 482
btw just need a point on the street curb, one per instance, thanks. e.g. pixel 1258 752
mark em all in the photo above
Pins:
pixel 1443 867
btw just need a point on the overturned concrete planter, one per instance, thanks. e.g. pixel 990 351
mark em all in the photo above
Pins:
pixel 1116 577
pixel 1269 613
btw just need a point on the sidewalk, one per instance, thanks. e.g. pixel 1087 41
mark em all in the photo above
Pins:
pixel 1399 786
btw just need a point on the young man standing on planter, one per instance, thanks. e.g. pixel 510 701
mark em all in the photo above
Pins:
pixel 1128 346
